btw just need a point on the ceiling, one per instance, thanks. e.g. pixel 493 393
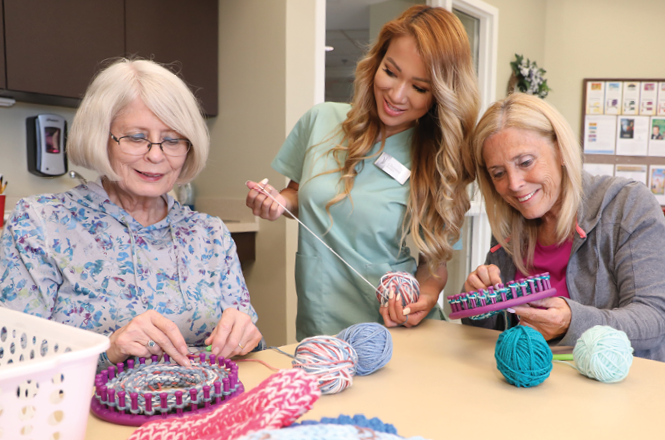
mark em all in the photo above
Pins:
pixel 348 14
pixel 347 31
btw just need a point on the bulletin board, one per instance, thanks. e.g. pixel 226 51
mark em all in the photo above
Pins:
pixel 623 129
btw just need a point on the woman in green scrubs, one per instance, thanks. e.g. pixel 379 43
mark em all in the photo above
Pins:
pixel 365 174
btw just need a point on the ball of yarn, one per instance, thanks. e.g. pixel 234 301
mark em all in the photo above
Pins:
pixel 398 282
pixel 604 354
pixel 332 360
pixel 372 342
pixel 523 356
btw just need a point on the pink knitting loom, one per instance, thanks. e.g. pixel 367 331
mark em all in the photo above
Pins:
pixel 485 303
pixel 135 409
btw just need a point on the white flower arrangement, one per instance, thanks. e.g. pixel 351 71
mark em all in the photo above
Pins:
pixel 529 77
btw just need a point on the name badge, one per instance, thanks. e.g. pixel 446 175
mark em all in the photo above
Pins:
pixel 393 168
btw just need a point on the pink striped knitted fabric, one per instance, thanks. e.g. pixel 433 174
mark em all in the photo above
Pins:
pixel 278 401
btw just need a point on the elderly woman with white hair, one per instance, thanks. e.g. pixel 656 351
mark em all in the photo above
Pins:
pixel 602 239
pixel 120 256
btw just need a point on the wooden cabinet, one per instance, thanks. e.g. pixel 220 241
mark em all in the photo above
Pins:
pixel 53 49
pixel 173 30
pixel 3 82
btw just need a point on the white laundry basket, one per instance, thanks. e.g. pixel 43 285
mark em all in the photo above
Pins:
pixel 47 372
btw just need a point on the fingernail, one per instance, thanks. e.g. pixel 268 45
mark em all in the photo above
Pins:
pixel 398 297
pixel 215 351
pixel 264 181
pixel 392 295
pixel 187 363
pixel 509 310
pixel 246 182
pixel 406 311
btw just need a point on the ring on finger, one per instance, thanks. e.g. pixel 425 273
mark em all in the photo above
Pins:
pixel 242 347
pixel 150 343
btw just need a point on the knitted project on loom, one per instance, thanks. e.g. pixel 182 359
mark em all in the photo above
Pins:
pixel 278 401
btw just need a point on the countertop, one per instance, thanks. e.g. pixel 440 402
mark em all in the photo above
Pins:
pixel 233 212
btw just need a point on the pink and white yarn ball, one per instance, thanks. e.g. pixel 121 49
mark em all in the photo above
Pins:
pixel 332 360
pixel 402 283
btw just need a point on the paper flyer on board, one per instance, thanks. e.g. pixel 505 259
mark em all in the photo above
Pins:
pixel 660 110
pixel 657 182
pixel 631 97
pixel 599 134
pixel 613 91
pixel 637 173
pixel 599 169
pixel 657 136
pixel 595 97
pixel 632 135
pixel 648 97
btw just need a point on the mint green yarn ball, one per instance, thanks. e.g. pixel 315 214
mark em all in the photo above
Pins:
pixel 523 356
pixel 604 354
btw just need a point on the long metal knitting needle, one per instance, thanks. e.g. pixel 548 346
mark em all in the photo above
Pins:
pixel 312 232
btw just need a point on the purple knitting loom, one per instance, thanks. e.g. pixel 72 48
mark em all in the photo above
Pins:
pixel 485 303
pixel 127 396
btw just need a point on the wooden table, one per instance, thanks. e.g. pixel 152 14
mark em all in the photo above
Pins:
pixel 442 383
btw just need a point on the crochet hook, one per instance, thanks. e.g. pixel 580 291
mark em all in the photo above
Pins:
pixel 563 357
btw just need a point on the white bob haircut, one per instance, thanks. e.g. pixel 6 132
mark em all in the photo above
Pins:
pixel 112 90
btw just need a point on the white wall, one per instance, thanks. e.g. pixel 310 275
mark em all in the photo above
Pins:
pixel 600 39
pixel 577 39
pixel 13 154
pixel 521 31
pixel 267 81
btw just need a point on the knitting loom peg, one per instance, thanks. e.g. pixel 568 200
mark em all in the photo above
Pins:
pixel 134 398
pixel 148 402
pixel 178 402
pixel 163 402
pixel 192 393
pixel 121 401
pixel 206 396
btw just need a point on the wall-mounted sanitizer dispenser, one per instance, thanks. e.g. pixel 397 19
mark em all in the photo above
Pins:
pixel 46 145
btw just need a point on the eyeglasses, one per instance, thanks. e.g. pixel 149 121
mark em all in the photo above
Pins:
pixel 136 145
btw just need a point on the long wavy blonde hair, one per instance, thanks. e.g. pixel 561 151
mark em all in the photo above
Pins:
pixel 440 172
pixel 515 233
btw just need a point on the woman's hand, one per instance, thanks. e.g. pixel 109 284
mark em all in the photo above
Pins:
pixel 267 208
pixel 431 286
pixel 483 277
pixel 234 335
pixel 135 339
pixel 549 316
pixel 394 314
pixel 262 205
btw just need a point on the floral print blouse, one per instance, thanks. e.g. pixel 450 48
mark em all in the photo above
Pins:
pixel 79 259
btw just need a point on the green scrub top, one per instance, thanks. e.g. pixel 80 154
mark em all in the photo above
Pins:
pixel 365 230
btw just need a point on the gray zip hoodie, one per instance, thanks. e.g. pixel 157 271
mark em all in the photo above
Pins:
pixel 616 271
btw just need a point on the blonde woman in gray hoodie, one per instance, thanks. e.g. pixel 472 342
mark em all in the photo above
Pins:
pixel 602 239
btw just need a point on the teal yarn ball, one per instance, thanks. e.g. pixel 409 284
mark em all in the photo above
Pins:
pixel 604 354
pixel 523 356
